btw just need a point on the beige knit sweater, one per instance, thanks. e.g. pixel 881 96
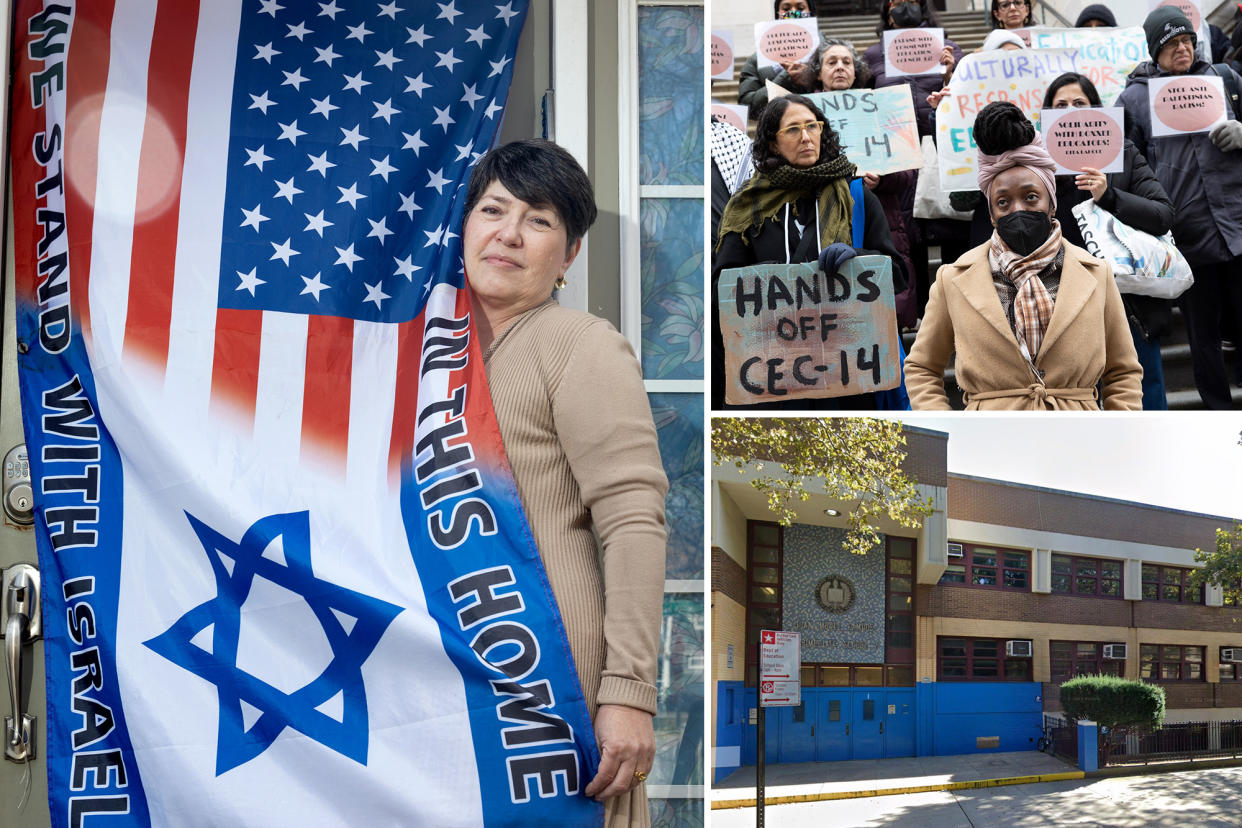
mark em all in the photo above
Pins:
pixel 578 433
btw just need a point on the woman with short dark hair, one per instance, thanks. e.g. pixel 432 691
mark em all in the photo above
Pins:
pixel 559 379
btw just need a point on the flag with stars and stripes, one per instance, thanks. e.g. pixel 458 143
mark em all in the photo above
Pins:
pixel 286 574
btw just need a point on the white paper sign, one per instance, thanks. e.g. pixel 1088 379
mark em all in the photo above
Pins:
pixel 780 683
pixel 1089 137
pixel 786 41
pixel 913 52
pixel 1181 104
pixel 722 55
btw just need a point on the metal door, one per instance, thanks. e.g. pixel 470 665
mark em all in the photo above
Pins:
pixel 832 726
pixel 797 730
pixel 867 729
pixel 899 723
pixel 24 781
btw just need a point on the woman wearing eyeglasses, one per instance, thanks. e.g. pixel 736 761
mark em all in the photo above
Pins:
pixel 1010 14
pixel 797 208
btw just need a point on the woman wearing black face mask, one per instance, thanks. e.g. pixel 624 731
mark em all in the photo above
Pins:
pixel 1136 198
pixel 1036 323
pixel 752 91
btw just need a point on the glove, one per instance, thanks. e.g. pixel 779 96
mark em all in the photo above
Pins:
pixel 834 255
pixel 1227 136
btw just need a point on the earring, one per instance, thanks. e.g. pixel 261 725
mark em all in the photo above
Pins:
pixel 560 282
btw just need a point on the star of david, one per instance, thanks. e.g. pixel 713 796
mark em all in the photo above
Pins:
pixel 352 622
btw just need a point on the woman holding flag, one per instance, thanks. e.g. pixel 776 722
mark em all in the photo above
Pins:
pixel 578 433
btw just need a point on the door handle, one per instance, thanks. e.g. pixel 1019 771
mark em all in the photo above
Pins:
pixel 847 730
pixel 881 727
pixel 21 626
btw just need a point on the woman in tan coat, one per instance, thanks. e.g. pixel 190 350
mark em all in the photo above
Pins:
pixel 1036 323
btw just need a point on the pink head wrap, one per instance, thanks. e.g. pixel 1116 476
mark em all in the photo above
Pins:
pixel 1032 156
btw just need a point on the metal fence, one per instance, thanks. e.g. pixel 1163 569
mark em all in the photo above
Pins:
pixel 1185 740
pixel 1064 737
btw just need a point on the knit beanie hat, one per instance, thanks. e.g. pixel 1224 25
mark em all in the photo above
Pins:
pixel 1164 24
pixel 1096 11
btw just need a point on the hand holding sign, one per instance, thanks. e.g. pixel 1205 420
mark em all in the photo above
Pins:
pixel 782 42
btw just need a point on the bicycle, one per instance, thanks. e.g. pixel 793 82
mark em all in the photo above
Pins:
pixel 1044 743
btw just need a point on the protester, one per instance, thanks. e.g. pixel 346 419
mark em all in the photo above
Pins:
pixel 1002 39
pixel 834 66
pixel 912 15
pixel 1136 198
pixel 797 208
pixel 732 166
pixel 559 379
pixel 1095 16
pixel 1036 323
pixel 1010 14
pixel 1202 173
pixel 752 91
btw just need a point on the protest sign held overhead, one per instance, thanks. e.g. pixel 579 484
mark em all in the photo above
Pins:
pixel 876 127
pixel 913 52
pixel 1079 138
pixel 722 55
pixel 792 332
pixel 778 42
pixel 731 114
pixel 1185 103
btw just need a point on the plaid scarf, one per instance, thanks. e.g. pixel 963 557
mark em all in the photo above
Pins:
pixel 1032 308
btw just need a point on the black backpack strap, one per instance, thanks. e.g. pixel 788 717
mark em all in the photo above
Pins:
pixel 1231 87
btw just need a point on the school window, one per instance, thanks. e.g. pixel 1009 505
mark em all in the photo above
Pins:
pixel 990 568
pixel 1170 584
pixel 1068 659
pixel 1072 575
pixel 979 659
pixel 1228 670
pixel 1170 662
pixel 763 588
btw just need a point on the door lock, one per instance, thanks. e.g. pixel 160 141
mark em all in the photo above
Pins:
pixel 22 625
pixel 18 497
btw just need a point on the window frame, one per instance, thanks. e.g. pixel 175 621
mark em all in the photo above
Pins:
pixel 1098 578
pixel 1158 663
pixel 1160 584
pixel 1002 660
pixel 1074 660
pixel 999 568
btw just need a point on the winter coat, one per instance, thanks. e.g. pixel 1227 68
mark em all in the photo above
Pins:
pixel 776 242
pixel 1087 342
pixel 752 92
pixel 896 195
pixel 1202 182
pixel 1136 198
pixel 920 85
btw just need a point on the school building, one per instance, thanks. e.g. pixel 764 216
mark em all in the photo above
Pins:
pixel 953 637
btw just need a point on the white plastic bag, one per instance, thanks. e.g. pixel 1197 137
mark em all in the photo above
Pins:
pixel 930 202
pixel 1142 263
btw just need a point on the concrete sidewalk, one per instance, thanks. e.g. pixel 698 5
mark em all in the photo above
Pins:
pixel 817 781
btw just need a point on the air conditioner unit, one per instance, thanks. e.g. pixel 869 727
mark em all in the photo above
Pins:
pixel 1115 652
pixel 1020 648
pixel 1231 655
pixel 955 550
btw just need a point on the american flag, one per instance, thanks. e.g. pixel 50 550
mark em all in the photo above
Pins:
pixel 305 188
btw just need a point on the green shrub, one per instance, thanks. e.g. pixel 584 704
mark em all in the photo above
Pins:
pixel 1113 702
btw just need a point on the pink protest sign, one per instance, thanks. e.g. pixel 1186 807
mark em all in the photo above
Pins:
pixel 731 114
pixel 1185 103
pixel 792 332
pixel 1080 138
pixel 786 41
pixel 913 51
pixel 1191 8
pixel 722 55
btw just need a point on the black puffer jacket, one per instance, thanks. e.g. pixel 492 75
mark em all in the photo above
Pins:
pixel 1136 198
pixel 1202 182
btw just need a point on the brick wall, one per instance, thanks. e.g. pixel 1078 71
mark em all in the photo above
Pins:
pixel 926 456
pixel 728 627
pixel 966 602
pixel 1188 617
pixel 728 576
pixel 1031 507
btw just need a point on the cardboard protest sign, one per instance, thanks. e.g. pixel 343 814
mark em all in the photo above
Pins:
pixel 1079 138
pixel 732 114
pixel 785 41
pixel 913 52
pixel 1022 77
pixel 722 55
pixel 792 332
pixel 1185 103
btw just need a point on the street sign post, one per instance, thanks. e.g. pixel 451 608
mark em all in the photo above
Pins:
pixel 780 685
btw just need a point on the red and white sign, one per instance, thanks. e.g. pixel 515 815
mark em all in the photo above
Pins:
pixel 1089 137
pixel 778 42
pixel 722 55
pixel 1185 103
pixel 780 657
pixel 913 52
